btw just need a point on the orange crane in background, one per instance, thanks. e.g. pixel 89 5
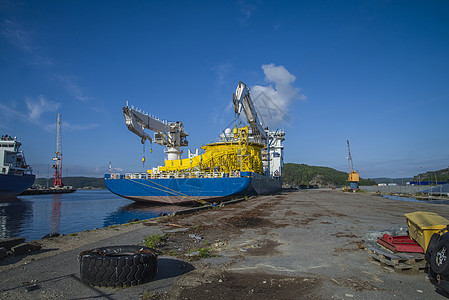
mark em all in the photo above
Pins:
pixel 353 175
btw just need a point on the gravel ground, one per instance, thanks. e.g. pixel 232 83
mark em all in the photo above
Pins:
pixel 294 245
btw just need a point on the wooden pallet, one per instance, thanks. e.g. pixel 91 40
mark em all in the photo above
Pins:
pixel 398 262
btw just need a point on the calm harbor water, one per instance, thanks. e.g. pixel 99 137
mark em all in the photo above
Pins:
pixel 408 199
pixel 32 217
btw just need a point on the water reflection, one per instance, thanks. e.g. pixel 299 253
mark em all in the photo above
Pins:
pixel 35 216
pixel 408 199
pixel 15 214
pixel 56 215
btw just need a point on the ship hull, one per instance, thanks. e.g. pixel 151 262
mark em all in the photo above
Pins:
pixel 13 185
pixel 189 190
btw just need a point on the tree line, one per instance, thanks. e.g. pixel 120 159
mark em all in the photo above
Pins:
pixel 76 182
pixel 302 174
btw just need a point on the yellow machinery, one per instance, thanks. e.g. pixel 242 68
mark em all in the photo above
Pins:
pixel 222 157
pixel 353 175
pixel 422 225
pixel 239 150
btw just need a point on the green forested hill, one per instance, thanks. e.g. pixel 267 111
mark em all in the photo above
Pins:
pixel 440 175
pixel 76 182
pixel 301 174
pixel 294 175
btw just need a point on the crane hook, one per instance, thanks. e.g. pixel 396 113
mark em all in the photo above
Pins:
pixel 143 155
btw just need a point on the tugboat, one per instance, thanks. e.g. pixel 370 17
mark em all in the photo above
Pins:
pixel 246 161
pixel 15 175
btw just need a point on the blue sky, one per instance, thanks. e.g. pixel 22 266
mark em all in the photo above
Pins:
pixel 373 72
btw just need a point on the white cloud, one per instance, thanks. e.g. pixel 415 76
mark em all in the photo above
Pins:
pixel 70 127
pixel 9 115
pixel 78 127
pixel 72 87
pixel 16 36
pixel 222 71
pixel 273 103
pixel 246 10
pixel 38 107
pixel 23 40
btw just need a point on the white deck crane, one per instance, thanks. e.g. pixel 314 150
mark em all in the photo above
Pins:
pixel 272 155
pixel 169 134
pixel 242 100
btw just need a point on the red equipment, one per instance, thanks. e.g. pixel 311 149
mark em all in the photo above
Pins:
pixel 400 243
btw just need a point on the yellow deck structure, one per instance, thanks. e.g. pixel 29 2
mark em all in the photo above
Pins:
pixel 222 157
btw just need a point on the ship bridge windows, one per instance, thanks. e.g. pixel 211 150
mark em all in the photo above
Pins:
pixel 7 145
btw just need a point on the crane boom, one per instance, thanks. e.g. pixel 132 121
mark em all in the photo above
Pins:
pixel 57 182
pixel 350 163
pixel 353 177
pixel 169 134
pixel 242 100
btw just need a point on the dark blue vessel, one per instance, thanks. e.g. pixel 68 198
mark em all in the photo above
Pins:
pixel 15 175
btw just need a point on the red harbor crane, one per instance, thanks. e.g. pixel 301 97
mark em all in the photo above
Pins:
pixel 57 165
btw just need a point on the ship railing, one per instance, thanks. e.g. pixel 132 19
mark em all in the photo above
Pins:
pixel 234 174
pixel 188 175
pixel 140 176
pixel 158 176
pixel 166 175
pixel 116 176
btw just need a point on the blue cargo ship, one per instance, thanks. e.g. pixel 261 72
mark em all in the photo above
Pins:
pixel 15 175
pixel 141 187
pixel 247 160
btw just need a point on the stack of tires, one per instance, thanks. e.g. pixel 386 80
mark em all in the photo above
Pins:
pixel 437 257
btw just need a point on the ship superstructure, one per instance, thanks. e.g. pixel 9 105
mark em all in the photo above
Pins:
pixel 245 161
pixel 15 175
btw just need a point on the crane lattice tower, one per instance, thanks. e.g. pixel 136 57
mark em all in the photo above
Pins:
pixel 58 154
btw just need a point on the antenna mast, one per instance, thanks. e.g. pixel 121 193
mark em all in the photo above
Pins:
pixel 58 155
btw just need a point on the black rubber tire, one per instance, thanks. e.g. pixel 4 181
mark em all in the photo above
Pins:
pixel 118 266
pixel 434 239
pixel 439 260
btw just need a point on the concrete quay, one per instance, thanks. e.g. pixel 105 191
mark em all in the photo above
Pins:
pixel 308 244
